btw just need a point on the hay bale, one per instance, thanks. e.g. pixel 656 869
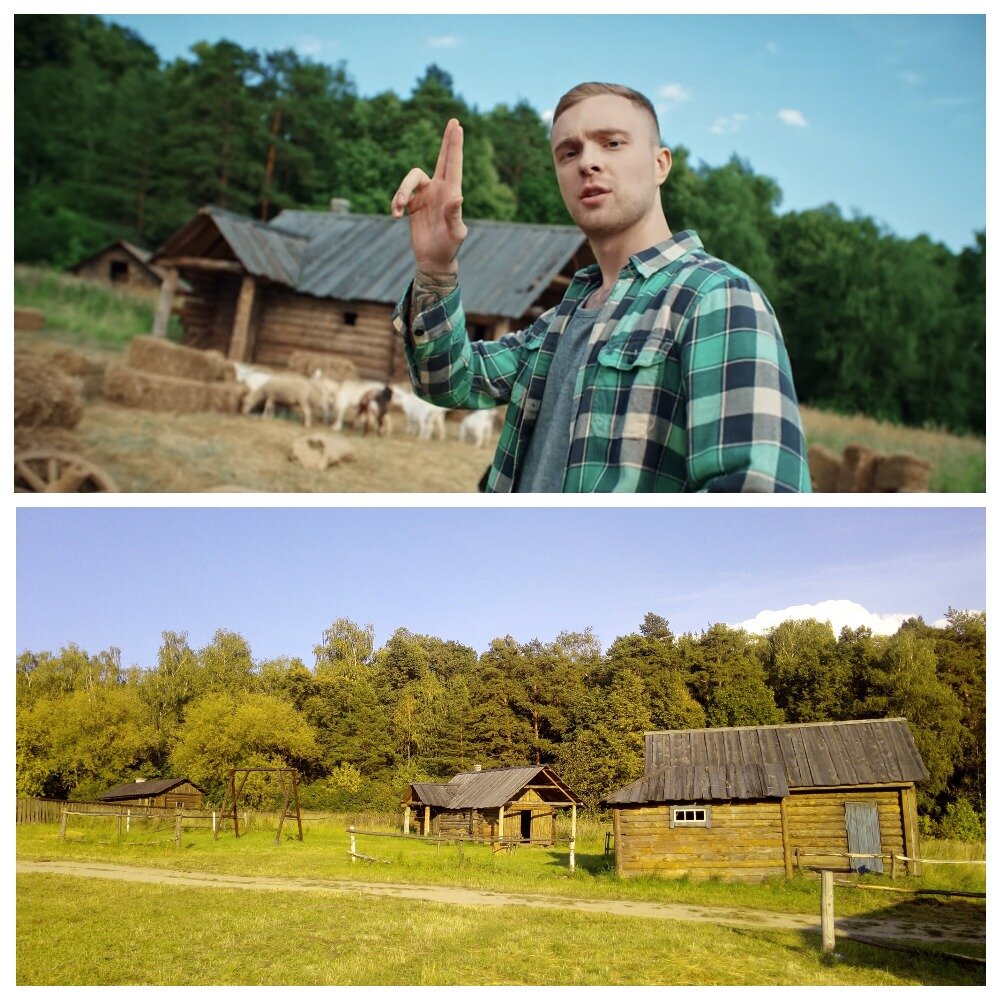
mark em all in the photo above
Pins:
pixel 824 468
pixel 857 470
pixel 88 369
pixel 28 319
pixel 161 357
pixel 902 473
pixel 320 451
pixel 224 397
pixel 161 393
pixel 44 396
pixel 334 366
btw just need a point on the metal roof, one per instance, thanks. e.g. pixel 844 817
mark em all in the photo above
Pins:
pixel 145 789
pixel 761 761
pixel 488 789
pixel 505 266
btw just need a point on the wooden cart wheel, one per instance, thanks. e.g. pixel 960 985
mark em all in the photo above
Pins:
pixel 59 472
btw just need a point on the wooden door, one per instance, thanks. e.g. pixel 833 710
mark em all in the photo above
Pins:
pixel 863 835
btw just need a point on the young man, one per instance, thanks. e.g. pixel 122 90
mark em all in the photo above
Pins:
pixel 662 369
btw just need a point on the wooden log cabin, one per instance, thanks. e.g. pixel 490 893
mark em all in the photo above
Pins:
pixel 327 282
pixel 750 802
pixel 123 265
pixel 157 793
pixel 513 804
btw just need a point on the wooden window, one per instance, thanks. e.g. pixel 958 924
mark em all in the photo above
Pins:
pixel 690 816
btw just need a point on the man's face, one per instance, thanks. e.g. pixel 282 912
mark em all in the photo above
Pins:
pixel 609 164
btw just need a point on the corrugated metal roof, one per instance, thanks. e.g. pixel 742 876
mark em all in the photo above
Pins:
pixel 488 789
pixel 144 789
pixel 691 765
pixel 504 266
pixel 263 249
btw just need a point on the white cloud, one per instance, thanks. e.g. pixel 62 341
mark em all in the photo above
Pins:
pixel 912 78
pixel 309 45
pixel 727 124
pixel 772 47
pixel 839 614
pixel 444 42
pixel 674 93
pixel 793 117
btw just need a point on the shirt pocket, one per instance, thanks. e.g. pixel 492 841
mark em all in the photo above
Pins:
pixel 639 350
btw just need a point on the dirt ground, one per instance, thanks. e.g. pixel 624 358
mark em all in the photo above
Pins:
pixel 143 451
pixel 901 922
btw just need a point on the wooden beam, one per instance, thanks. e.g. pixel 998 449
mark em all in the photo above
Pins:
pixel 406 819
pixel 786 841
pixel 165 303
pixel 908 812
pixel 241 341
pixel 204 264
pixel 427 821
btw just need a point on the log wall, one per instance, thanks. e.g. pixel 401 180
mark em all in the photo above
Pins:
pixel 209 310
pixel 816 823
pixel 744 842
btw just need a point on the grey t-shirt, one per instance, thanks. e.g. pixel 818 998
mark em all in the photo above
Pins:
pixel 548 449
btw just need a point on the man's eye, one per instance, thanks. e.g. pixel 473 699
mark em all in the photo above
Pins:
pixel 614 143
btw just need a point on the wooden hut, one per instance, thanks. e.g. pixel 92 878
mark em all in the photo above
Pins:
pixel 514 804
pixel 163 793
pixel 749 802
pixel 327 282
pixel 123 265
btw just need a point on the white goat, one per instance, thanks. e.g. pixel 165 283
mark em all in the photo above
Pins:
pixel 477 426
pixel 422 418
pixel 289 390
pixel 348 396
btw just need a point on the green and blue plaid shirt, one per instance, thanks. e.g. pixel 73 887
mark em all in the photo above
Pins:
pixel 686 387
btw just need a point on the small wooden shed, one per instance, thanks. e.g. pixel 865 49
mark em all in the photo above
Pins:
pixel 749 802
pixel 514 804
pixel 163 793
pixel 124 265
pixel 327 282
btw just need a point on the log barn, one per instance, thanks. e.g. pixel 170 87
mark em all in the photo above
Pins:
pixel 515 804
pixel 163 793
pixel 327 282
pixel 749 802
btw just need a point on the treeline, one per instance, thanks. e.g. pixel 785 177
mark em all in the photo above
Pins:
pixel 110 143
pixel 363 722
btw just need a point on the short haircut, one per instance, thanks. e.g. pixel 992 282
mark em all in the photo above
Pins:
pixel 584 90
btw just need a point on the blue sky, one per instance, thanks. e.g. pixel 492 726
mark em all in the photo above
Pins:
pixel 104 577
pixel 881 114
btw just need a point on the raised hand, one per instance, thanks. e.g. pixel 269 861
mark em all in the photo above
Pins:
pixel 434 205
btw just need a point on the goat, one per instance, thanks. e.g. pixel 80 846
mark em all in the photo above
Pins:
pixel 348 396
pixel 373 409
pixel 288 390
pixel 477 426
pixel 422 418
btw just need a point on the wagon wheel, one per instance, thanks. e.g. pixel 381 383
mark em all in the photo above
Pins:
pixel 59 472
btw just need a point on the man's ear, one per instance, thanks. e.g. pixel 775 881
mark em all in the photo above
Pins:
pixel 664 161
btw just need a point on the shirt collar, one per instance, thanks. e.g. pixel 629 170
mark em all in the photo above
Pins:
pixel 656 257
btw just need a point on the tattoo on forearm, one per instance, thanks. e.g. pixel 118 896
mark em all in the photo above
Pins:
pixel 430 287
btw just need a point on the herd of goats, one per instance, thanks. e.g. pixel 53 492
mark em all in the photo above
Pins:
pixel 363 404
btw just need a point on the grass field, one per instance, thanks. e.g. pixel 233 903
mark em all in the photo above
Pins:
pixel 157 452
pixel 192 936
pixel 187 935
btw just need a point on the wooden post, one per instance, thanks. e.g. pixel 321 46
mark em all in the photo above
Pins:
pixel 908 810
pixel 119 825
pixel 406 819
pixel 786 842
pixel 892 864
pixel 616 814
pixel 427 821
pixel 826 910
pixel 500 825
pixel 572 838
pixel 62 826
pixel 177 828
pixel 353 845
pixel 165 303
pixel 128 820
pixel 241 342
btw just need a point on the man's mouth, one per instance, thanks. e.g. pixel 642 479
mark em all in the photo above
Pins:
pixel 592 194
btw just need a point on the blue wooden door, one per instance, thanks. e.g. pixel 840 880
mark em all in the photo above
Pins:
pixel 863 835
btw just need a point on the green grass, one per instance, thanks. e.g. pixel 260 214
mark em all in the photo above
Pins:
pixel 74 931
pixel 85 313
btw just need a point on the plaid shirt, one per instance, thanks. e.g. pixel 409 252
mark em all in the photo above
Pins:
pixel 687 385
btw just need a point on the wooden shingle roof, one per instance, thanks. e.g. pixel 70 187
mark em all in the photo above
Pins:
pixel 144 789
pixel 490 789
pixel 750 762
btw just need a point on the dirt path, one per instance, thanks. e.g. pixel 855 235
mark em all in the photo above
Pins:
pixel 895 927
